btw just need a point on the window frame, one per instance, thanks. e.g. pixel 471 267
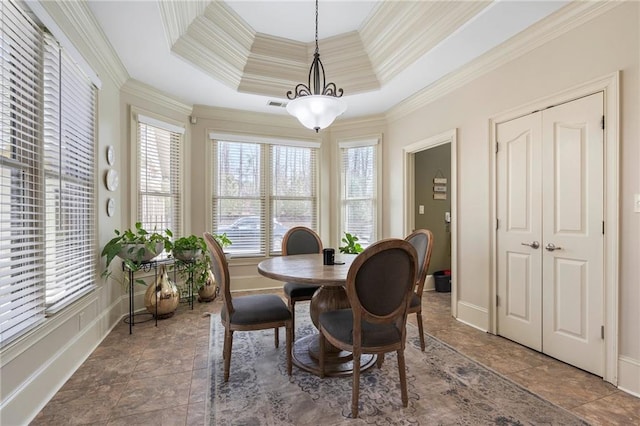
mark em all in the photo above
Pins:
pixel 138 116
pixel 375 141
pixel 268 198
pixel 44 245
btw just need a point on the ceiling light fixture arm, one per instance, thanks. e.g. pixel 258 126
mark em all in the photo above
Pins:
pixel 316 104
pixel 328 89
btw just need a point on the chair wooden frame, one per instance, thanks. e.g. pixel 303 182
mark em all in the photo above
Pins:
pixel 421 277
pixel 291 301
pixel 220 268
pixel 397 317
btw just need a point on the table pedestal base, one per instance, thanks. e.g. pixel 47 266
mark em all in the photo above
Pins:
pixel 340 363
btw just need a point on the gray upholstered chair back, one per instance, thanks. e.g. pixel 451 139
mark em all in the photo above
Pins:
pixel 301 240
pixel 422 241
pixel 220 270
pixel 380 281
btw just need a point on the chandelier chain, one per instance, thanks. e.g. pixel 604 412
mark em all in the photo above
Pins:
pixel 316 26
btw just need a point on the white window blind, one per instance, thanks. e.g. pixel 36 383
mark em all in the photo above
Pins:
pixel 69 145
pixel 359 188
pixel 159 176
pixel 260 190
pixel 22 293
pixel 47 218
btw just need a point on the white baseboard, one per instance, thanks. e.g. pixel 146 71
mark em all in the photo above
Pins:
pixel 629 375
pixel 429 283
pixel 473 315
pixel 45 379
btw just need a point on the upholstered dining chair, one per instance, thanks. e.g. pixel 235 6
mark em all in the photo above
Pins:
pixel 422 241
pixel 299 240
pixel 246 313
pixel 379 286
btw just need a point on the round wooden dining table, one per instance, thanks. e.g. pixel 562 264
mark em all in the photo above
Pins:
pixel 309 269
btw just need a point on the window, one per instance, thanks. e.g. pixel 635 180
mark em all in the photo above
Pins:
pixel 159 175
pixel 47 144
pixel 359 189
pixel 261 188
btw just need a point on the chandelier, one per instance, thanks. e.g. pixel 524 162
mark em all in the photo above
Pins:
pixel 317 103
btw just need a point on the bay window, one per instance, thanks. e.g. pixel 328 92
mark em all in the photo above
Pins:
pixel 159 175
pixel 359 182
pixel 47 176
pixel 261 187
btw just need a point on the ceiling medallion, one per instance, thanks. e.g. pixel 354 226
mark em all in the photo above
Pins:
pixel 317 103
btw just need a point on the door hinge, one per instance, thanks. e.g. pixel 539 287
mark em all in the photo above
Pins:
pixel 497 224
pixel 603 227
pixel 602 331
pixel 497 148
pixel 602 122
pixel 497 300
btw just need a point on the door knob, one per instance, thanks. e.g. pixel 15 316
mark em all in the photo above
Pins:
pixel 533 245
pixel 552 247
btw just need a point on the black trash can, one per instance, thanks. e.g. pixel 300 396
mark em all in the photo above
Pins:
pixel 443 280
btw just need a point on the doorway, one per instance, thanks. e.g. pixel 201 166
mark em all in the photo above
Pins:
pixel 550 231
pixel 610 86
pixel 447 195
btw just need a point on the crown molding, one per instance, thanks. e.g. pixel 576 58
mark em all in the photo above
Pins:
pixel 144 91
pixel 395 37
pixel 178 15
pixel 357 123
pixel 80 26
pixel 564 20
pixel 218 41
pixel 242 116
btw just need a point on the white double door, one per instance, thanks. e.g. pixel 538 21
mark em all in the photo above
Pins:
pixel 550 243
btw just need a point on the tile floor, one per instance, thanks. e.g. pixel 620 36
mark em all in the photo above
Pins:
pixel 158 375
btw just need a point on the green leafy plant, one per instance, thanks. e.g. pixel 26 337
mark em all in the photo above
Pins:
pixel 351 244
pixel 223 240
pixel 192 252
pixel 189 245
pixel 134 246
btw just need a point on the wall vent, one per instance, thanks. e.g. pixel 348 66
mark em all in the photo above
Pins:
pixel 279 104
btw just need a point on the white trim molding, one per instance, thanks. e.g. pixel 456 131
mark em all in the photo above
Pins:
pixel 569 17
pixel 449 136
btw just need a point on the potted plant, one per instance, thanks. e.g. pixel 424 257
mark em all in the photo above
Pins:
pixel 351 244
pixel 135 246
pixel 188 248
pixel 223 240
pixel 194 263
pixel 192 252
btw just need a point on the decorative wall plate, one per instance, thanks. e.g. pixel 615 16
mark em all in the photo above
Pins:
pixel 111 207
pixel 111 180
pixel 110 155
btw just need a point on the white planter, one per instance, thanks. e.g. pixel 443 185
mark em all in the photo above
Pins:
pixel 131 251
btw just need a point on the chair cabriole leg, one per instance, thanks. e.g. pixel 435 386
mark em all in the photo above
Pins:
pixel 289 329
pixel 420 329
pixel 277 337
pixel 292 309
pixel 228 343
pixel 355 393
pixel 403 378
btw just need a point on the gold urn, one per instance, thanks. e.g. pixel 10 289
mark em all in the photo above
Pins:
pixel 162 299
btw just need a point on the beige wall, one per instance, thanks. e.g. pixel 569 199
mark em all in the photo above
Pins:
pixel 600 47
pixel 35 367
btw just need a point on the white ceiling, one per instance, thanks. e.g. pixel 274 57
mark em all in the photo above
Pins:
pixel 135 30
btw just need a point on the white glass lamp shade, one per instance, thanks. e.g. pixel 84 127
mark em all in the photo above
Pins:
pixel 316 111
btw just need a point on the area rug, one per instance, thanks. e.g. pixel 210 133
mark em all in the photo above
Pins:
pixel 445 388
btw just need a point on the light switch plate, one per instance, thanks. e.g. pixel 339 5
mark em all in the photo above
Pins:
pixel 420 209
pixel 636 203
